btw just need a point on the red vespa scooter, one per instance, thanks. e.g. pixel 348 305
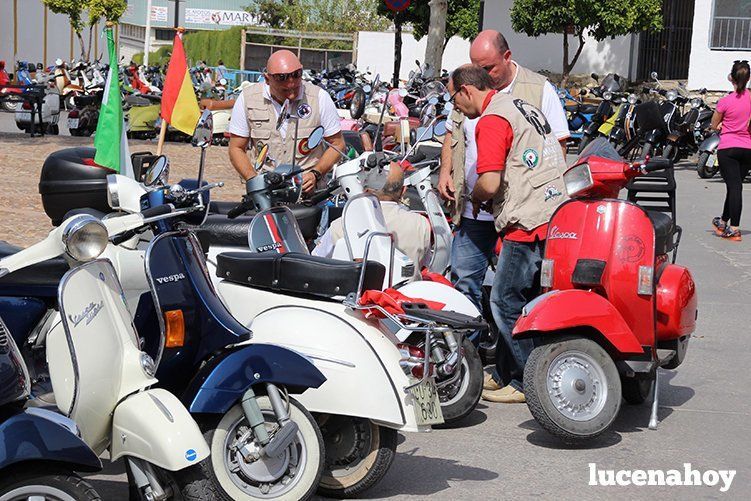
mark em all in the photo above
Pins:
pixel 614 308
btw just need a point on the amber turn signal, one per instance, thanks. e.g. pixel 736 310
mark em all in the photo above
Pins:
pixel 175 327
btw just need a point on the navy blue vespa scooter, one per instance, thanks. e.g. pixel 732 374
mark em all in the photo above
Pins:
pixel 39 449
pixel 264 444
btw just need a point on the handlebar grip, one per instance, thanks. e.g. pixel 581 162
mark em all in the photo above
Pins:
pixel 418 156
pixel 657 163
pixel 122 237
pixel 157 211
pixel 238 210
pixel 321 195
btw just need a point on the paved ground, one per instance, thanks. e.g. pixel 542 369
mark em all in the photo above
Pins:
pixel 500 452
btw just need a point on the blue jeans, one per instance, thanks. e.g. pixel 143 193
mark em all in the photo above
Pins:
pixel 471 250
pixel 517 282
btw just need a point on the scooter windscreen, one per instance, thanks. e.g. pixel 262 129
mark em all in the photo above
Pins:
pixel 600 147
pixel 276 230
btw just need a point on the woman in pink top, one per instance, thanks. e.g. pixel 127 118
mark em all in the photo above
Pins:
pixel 732 117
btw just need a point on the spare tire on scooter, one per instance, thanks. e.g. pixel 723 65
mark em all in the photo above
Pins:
pixel 460 398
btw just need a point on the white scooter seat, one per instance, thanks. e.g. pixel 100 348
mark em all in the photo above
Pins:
pixel 45 275
pixel 296 273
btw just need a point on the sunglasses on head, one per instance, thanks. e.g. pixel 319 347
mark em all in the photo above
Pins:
pixel 740 61
pixel 281 77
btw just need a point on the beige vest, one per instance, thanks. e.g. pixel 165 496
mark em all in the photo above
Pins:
pixel 528 85
pixel 532 184
pixel 259 111
pixel 411 232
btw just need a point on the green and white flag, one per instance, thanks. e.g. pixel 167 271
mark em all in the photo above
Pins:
pixel 110 140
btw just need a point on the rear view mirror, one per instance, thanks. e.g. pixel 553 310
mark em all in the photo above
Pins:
pixel 158 171
pixel 595 76
pixel 204 130
pixel 582 92
pixel 653 75
pixel 439 129
pixel 315 138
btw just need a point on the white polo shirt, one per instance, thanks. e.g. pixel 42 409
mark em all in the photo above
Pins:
pixel 551 108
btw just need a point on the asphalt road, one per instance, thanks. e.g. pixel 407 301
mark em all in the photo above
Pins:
pixel 705 406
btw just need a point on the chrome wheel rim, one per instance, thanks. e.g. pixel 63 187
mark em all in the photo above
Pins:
pixel 36 493
pixel 265 477
pixel 577 386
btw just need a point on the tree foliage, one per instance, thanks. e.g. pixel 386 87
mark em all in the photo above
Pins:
pixel 462 19
pixel 599 19
pixel 340 16
pixel 110 10
pixel 214 45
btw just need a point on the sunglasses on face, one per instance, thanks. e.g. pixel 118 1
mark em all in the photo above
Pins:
pixel 281 77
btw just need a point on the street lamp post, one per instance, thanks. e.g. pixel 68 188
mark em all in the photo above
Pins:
pixel 147 38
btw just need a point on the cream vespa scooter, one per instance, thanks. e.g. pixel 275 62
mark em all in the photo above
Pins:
pixel 100 377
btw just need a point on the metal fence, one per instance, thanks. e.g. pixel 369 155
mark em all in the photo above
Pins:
pixel 668 51
pixel 731 33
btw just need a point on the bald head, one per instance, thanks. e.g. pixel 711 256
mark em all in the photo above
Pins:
pixel 490 51
pixel 283 74
pixel 393 188
pixel 283 61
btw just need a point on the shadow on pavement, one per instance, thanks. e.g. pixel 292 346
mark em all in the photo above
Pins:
pixel 630 419
pixel 476 417
pixel 412 474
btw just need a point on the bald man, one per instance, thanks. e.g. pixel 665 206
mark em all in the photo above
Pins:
pixel 255 114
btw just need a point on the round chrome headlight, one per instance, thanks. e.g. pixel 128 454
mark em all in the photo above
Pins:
pixel 696 102
pixel 85 238
pixel 342 81
pixel 671 95
pixel 632 99
pixel 607 96
pixel 148 365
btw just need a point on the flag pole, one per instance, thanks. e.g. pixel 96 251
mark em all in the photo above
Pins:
pixel 163 131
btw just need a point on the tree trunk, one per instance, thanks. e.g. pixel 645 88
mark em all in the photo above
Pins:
pixel 397 48
pixel 83 45
pixel 88 51
pixel 436 35
pixel 564 73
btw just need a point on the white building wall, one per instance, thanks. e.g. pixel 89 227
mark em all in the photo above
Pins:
pixel 709 68
pixel 31 35
pixel 375 51
pixel 546 52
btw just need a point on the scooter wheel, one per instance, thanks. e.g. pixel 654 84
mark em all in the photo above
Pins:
pixel 45 483
pixel 705 171
pixel 358 455
pixel 294 475
pixel 572 388
pixel 460 398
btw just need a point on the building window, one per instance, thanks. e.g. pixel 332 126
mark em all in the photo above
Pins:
pixel 166 35
pixel 731 25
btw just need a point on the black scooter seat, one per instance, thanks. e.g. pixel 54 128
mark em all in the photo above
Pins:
pixel 296 273
pixel 44 276
pixel 219 230
pixel 664 229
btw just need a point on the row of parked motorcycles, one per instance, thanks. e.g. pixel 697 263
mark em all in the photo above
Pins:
pixel 653 120
pixel 202 343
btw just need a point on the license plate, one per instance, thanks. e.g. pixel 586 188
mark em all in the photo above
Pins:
pixel 712 160
pixel 23 116
pixel 72 123
pixel 426 403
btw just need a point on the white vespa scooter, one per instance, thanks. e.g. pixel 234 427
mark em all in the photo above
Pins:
pixel 100 377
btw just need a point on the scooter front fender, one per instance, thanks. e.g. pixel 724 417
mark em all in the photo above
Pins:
pixel 710 144
pixel 40 435
pixel 223 381
pixel 559 311
pixel 154 426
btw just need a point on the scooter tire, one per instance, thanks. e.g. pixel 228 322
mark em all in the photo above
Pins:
pixel 45 482
pixel 216 431
pixel 11 106
pixel 470 389
pixel 646 150
pixel 702 169
pixel 371 465
pixel 192 483
pixel 538 394
pixel 636 391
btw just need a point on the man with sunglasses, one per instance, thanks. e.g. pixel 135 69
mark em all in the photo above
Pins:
pixel 256 112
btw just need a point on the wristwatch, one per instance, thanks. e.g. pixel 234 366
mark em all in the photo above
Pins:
pixel 316 174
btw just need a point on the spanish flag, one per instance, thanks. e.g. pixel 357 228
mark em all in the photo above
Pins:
pixel 179 103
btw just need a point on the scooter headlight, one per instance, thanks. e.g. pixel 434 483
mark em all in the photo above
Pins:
pixel 578 179
pixel 672 95
pixel 696 102
pixel 85 238
pixel 632 99
pixel 607 96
